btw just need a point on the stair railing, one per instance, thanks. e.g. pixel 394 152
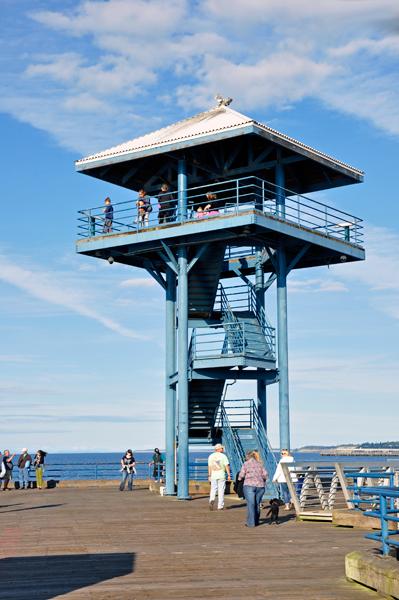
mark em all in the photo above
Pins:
pixel 233 327
pixel 229 440
pixel 243 297
pixel 264 444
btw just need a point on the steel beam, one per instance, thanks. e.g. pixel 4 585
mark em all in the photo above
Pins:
pixel 260 296
pixel 182 189
pixel 282 325
pixel 170 392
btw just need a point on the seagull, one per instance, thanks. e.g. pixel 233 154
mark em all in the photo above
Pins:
pixel 222 102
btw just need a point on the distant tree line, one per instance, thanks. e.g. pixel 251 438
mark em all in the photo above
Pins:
pixel 380 445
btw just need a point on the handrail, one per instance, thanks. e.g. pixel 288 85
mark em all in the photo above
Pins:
pixel 234 196
pixel 384 515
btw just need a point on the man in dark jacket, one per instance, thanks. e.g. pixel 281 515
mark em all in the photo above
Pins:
pixel 24 462
pixel 166 205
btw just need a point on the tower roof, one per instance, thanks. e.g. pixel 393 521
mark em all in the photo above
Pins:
pixel 203 127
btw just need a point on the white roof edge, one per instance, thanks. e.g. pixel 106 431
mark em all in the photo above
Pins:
pixel 245 121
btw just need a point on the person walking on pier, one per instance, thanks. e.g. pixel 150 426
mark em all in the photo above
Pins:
pixel 127 469
pixel 108 216
pixel 24 463
pixel 38 464
pixel 280 477
pixel 254 475
pixel 218 464
pixel 8 467
pixel 158 460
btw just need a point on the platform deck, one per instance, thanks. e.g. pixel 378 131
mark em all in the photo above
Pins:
pixel 101 544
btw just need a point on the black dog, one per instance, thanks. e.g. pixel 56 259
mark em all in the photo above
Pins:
pixel 273 511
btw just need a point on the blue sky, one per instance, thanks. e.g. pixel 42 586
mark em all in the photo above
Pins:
pixel 82 342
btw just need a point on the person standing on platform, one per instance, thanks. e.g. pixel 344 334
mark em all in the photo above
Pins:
pixel 280 477
pixel 24 463
pixel 166 205
pixel 158 460
pixel 254 475
pixel 8 467
pixel 38 465
pixel 218 464
pixel 108 216
pixel 127 469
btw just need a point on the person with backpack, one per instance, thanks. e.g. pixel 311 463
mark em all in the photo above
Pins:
pixel 24 463
pixel 6 468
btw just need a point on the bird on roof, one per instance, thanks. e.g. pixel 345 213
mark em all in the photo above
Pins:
pixel 222 102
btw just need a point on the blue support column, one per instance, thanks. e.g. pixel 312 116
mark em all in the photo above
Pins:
pixel 182 489
pixel 170 393
pixel 182 189
pixel 280 183
pixel 282 325
pixel 260 295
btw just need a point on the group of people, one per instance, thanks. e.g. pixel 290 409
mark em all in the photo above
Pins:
pixel 24 464
pixel 254 477
pixel 166 208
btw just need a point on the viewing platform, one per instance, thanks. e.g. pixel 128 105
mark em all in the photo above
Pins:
pixel 248 209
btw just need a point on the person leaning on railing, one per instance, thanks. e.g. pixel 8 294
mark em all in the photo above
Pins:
pixel 144 208
pixel 166 205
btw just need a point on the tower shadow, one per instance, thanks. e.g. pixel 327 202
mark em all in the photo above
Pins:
pixel 46 577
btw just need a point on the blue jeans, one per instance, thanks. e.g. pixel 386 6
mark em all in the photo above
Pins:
pixel 23 477
pixel 286 494
pixel 253 495
pixel 129 477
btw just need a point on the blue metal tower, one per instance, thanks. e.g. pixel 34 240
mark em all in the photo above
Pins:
pixel 236 207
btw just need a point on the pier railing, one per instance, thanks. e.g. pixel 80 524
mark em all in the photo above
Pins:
pixel 387 496
pixel 107 471
pixel 231 198
pixel 322 488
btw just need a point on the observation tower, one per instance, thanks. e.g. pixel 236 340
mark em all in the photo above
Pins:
pixel 237 217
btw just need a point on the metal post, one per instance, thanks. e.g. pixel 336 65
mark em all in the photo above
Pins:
pixel 280 191
pixel 183 376
pixel 282 326
pixel 182 189
pixel 384 526
pixel 170 392
pixel 260 297
pixel 282 344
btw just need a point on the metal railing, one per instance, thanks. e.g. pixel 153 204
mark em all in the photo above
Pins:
pixel 233 197
pixel 384 494
pixel 384 478
pixel 326 487
pixel 242 298
pixel 106 471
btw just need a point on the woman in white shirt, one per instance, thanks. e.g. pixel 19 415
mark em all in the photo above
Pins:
pixel 279 476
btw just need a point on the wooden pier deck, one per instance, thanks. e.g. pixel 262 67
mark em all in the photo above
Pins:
pixel 101 544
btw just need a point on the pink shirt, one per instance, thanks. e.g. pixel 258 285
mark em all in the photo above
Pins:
pixel 253 473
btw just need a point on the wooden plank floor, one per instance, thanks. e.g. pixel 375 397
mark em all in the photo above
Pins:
pixel 101 544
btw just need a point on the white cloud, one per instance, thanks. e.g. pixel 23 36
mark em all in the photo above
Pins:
pixel 139 282
pixel 51 287
pixel 126 57
pixel 316 285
